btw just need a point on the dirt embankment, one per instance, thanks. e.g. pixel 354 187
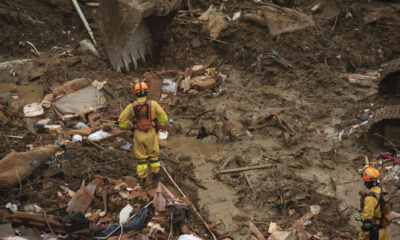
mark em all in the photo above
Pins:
pixel 312 167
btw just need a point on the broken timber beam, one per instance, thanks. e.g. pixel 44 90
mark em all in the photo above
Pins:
pixel 241 169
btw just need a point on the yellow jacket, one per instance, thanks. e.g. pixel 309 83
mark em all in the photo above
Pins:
pixel 372 209
pixel 156 113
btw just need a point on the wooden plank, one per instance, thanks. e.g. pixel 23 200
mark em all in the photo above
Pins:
pixel 36 217
pixel 241 169
pixel 255 231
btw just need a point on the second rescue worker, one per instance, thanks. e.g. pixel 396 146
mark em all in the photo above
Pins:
pixel 146 115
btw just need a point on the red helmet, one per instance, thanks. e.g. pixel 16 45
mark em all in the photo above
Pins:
pixel 371 174
pixel 140 87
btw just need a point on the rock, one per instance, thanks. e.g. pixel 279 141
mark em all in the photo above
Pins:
pixel 196 42
pixel 210 140
pixel 315 209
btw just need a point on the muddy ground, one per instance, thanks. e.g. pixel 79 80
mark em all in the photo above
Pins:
pixel 312 167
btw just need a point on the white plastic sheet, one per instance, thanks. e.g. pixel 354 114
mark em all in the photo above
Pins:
pixel 188 237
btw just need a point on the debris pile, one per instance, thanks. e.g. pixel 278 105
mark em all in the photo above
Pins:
pixel 200 78
pixel 274 161
pixel 108 207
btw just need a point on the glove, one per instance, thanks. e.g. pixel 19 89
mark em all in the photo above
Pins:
pixel 367 225
pixel 163 127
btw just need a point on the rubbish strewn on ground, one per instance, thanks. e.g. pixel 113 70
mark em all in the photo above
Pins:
pixel 100 208
pixel 200 78
pixel 216 22
pixel 271 179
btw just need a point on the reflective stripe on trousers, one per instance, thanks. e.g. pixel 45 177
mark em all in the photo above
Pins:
pixel 142 168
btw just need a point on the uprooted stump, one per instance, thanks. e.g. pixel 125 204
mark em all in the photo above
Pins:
pixel 18 166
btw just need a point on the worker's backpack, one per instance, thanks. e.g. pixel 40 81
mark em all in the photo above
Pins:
pixel 383 202
pixel 142 112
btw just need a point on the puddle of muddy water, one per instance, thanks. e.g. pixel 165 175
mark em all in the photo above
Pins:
pixel 20 95
pixel 218 198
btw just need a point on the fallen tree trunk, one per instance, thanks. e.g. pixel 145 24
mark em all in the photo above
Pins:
pixel 17 166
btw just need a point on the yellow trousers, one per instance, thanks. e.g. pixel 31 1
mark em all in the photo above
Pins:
pixel 145 144
pixel 383 235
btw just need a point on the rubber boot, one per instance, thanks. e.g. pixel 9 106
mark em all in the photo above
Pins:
pixel 143 182
pixel 156 177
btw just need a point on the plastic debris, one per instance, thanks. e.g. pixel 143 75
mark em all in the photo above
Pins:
pixel 127 146
pixel 32 208
pixel 340 135
pixel 80 125
pixel 236 15
pixel 136 222
pixel 76 138
pixel 188 237
pixel 12 207
pixel 162 135
pixel 98 85
pixel 124 214
pixel 169 85
pixel 98 135
pixel 33 110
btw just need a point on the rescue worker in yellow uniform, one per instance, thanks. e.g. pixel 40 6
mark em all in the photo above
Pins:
pixel 371 215
pixel 146 115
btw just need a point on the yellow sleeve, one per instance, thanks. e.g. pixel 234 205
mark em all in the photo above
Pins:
pixel 368 212
pixel 125 116
pixel 159 113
